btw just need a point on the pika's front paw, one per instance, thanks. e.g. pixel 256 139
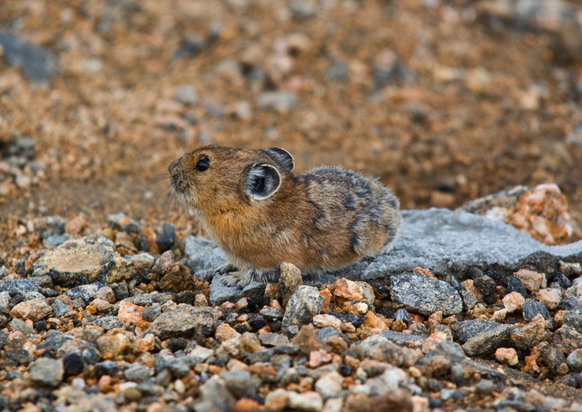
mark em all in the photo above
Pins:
pixel 226 268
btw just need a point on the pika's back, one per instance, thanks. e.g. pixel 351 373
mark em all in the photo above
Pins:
pixel 354 216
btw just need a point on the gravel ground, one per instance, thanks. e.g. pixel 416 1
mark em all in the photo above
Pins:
pixel 444 101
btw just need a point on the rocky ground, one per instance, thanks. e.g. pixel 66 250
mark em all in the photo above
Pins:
pixel 135 319
pixel 107 294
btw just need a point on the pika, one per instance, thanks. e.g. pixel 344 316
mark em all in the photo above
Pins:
pixel 260 214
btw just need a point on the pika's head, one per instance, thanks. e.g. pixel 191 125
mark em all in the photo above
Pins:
pixel 215 179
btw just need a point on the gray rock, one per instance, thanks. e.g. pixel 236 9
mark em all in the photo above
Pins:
pixel 567 339
pixel 107 322
pixel 42 281
pixel 47 372
pixel 186 94
pixel 150 313
pixel 400 338
pixel 424 295
pixel 150 389
pixel 444 241
pixel 530 308
pixel 279 102
pixel 60 309
pixel 184 321
pixel 137 373
pixel 531 334
pixel 5 302
pixel 221 292
pixel 552 357
pixel 488 341
pixel 271 313
pixel 468 329
pixel 240 383
pixel 143 299
pixel 273 339
pixel 14 286
pixel 573 318
pixel 19 325
pixel 38 63
pixel 203 256
pixel 329 385
pixel 85 292
pixel 93 403
pixel 305 303
pixel 574 361
pixel 4 272
pixel 54 241
pixel 214 396
pixel 78 262
pixel 381 349
pixel 485 386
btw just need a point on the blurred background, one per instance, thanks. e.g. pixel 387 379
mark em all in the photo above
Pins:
pixel 444 100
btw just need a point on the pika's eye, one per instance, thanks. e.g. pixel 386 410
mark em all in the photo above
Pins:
pixel 202 165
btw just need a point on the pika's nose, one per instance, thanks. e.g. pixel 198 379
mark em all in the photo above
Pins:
pixel 173 165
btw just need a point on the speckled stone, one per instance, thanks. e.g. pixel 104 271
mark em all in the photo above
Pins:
pixel 487 342
pixel 305 303
pixel 424 295
pixel 47 372
pixel 184 321
pixel 468 329
pixel 78 261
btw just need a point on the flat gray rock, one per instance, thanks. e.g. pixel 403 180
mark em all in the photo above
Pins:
pixel 443 241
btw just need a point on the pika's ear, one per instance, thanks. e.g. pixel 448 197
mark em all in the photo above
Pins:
pixel 262 181
pixel 282 157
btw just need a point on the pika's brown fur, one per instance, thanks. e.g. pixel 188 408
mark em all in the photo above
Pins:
pixel 261 215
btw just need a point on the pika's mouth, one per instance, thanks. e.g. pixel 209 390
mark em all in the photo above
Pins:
pixel 178 179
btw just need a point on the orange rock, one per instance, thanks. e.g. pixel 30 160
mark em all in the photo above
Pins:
pixel 266 372
pixel 398 325
pixel 513 301
pixel 468 284
pixel 130 313
pixel 357 308
pixel 318 358
pixel 424 272
pixel 77 225
pixel 416 317
pixel 532 280
pixel 507 356
pixel 542 212
pixel 559 318
pixel 323 321
pixel 327 296
pixel 347 290
pixel 146 343
pixel 246 404
pixel 531 365
pixel 435 319
pixel 224 332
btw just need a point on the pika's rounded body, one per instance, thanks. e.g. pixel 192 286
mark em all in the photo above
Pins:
pixel 261 215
